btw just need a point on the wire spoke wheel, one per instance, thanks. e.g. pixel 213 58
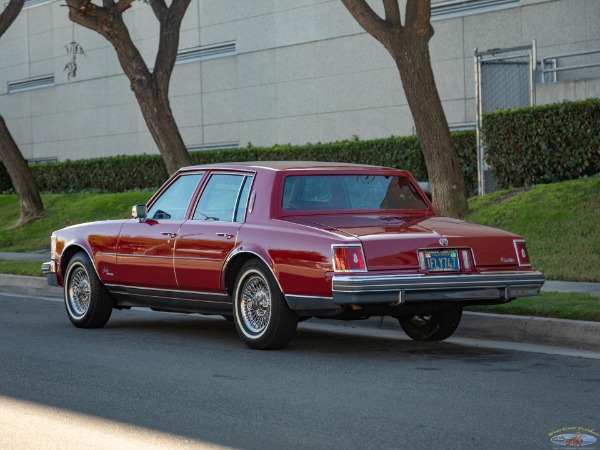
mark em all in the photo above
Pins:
pixel 261 315
pixel 79 293
pixel 88 303
pixel 256 304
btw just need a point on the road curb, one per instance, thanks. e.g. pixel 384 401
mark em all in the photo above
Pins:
pixel 575 334
pixel 26 285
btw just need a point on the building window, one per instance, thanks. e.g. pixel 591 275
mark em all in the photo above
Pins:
pixel 205 52
pixel 459 8
pixel 30 83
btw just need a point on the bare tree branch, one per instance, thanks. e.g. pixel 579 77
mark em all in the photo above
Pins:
pixel 122 6
pixel 392 12
pixel 160 9
pixel 170 24
pixel 418 15
pixel 10 13
pixel 367 18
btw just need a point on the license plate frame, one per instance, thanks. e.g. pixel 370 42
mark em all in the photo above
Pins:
pixel 441 260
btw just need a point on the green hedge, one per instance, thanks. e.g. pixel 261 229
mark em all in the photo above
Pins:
pixel 544 144
pixel 123 173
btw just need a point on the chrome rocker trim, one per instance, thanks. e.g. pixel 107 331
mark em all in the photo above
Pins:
pixel 487 287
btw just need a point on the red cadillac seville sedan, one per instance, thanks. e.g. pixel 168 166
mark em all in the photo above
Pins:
pixel 270 244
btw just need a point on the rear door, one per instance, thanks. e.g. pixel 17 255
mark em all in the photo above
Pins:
pixel 205 241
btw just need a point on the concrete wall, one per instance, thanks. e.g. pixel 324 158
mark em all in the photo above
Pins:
pixel 304 71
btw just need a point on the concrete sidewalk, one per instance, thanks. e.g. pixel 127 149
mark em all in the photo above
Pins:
pixel 34 256
pixel 574 334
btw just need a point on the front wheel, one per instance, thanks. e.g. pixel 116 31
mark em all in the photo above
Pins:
pixel 88 303
pixel 260 313
pixel 435 326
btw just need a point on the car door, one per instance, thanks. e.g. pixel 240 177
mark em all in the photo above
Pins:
pixel 205 241
pixel 145 249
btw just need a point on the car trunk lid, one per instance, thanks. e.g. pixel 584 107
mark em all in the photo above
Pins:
pixel 392 242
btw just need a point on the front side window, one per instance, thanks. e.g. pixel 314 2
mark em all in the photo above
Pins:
pixel 350 192
pixel 173 202
pixel 224 198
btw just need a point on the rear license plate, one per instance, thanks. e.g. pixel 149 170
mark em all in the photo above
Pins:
pixel 441 260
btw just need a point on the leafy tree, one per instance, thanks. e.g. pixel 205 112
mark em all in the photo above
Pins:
pixel 18 170
pixel 408 44
pixel 151 87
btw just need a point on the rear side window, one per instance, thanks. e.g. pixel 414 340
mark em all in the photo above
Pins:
pixel 224 198
pixel 350 192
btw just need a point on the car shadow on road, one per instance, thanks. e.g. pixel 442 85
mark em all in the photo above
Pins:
pixel 319 339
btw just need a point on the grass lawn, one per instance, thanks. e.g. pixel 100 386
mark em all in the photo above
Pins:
pixel 62 210
pixel 560 222
pixel 560 305
pixel 32 268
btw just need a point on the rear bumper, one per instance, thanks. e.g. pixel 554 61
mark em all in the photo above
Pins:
pixel 489 287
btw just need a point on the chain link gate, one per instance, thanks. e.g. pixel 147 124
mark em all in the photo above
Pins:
pixel 504 79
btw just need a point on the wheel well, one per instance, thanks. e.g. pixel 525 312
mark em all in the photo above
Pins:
pixel 66 256
pixel 233 268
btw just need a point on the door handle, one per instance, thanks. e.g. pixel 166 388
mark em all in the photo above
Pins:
pixel 169 235
pixel 225 235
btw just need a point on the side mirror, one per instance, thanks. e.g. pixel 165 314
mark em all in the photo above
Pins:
pixel 139 212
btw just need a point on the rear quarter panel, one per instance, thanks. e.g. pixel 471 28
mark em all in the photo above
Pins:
pixel 299 256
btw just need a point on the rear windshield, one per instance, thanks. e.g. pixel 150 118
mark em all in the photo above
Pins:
pixel 350 192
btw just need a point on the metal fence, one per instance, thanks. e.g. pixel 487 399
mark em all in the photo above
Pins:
pixel 504 78
pixel 569 66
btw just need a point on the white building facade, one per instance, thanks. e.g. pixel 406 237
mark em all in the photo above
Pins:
pixel 268 72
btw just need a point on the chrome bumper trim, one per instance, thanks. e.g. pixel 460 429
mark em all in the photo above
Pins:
pixel 49 267
pixel 398 289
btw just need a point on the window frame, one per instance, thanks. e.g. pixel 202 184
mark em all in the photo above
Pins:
pixel 247 177
pixel 165 188
pixel 428 210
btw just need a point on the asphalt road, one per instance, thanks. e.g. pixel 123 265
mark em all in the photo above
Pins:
pixel 156 380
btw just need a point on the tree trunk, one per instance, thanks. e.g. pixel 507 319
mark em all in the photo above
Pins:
pixel 21 177
pixel 163 128
pixel 151 88
pixel 443 166
pixel 16 166
pixel 409 46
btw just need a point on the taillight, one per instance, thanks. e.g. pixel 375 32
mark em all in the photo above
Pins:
pixel 466 259
pixel 522 253
pixel 348 258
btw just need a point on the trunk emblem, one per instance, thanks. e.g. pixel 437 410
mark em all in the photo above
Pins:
pixel 444 242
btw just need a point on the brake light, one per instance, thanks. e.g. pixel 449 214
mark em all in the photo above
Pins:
pixel 348 258
pixel 522 253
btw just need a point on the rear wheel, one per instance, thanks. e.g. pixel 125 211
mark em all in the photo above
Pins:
pixel 260 313
pixel 435 326
pixel 88 303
